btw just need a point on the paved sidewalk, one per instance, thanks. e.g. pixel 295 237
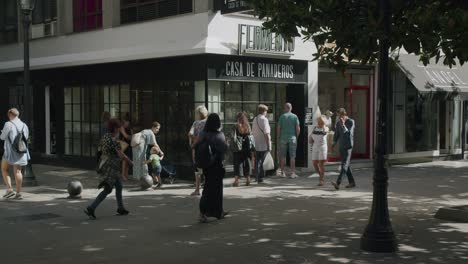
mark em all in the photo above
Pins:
pixel 281 221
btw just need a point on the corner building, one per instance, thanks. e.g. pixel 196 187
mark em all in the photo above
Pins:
pixel 152 60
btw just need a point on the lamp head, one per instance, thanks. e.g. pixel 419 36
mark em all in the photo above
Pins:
pixel 27 5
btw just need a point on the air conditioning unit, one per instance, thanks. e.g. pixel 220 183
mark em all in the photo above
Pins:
pixel 48 29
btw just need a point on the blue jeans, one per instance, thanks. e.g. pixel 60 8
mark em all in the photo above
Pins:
pixel 346 166
pixel 260 158
pixel 107 190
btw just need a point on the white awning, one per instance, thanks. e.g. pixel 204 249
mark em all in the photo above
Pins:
pixel 435 77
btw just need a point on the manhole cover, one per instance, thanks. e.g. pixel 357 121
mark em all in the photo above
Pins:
pixel 32 217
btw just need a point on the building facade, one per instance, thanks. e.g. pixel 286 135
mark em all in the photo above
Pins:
pixel 156 60
pixel 147 61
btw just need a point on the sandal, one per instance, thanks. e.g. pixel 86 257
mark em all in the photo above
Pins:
pixel 203 219
pixel 247 183
pixel 235 184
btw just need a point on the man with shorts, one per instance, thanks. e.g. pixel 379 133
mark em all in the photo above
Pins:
pixel 10 156
pixel 288 130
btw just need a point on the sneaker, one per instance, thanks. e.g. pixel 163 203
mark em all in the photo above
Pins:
pixel 351 185
pixel 122 211
pixel 9 194
pixel 281 174
pixel 90 212
pixel 294 175
pixel 18 196
pixel 337 186
pixel 157 186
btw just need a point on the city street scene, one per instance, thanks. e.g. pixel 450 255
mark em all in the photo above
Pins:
pixel 234 131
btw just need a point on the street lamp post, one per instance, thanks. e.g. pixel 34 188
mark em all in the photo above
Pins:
pixel 27 6
pixel 378 235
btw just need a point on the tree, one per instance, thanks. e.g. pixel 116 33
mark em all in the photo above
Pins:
pixel 365 31
pixel 351 30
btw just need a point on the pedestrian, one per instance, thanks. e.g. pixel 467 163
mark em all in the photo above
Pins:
pixel 241 146
pixel 110 170
pixel 125 136
pixel 141 143
pixel 211 202
pixel 344 136
pixel 288 131
pixel 318 139
pixel 201 114
pixel 12 155
pixel 261 132
pixel 155 161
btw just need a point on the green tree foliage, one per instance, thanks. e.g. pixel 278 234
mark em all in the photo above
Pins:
pixel 350 30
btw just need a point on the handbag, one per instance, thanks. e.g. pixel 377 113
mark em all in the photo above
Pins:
pixel 236 142
pixel 251 140
pixel 268 163
pixel 102 160
pixel 136 140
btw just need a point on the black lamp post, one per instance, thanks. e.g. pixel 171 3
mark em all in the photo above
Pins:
pixel 378 235
pixel 27 6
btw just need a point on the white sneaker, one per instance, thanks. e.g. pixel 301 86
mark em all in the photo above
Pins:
pixel 281 174
pixel 9 194
pixel 294 175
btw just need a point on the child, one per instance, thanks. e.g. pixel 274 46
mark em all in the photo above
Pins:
pixel 155 160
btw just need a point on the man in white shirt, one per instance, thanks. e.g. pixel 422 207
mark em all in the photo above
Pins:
pixel 12 157
pixel 262 135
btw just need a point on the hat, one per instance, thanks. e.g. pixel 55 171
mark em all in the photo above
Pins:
pixel 328 113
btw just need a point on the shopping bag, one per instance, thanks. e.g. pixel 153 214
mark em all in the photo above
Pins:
pixel 268 163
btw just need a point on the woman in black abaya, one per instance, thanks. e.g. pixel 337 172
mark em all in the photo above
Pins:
pixel 211 202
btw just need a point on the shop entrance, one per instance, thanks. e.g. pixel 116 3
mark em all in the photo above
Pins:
pixel 352 92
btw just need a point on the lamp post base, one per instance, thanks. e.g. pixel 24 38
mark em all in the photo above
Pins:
pixel 29 179
pixel 379 241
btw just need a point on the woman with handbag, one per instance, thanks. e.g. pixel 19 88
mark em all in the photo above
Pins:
pixel 241 147
pixel 262 134
pixel 110 170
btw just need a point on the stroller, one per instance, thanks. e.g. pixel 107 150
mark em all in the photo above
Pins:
pixel 168 170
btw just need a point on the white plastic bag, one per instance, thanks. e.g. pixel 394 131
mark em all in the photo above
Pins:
pixel 268 163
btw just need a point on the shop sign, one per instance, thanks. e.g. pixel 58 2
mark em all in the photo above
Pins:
pixel 258 40
pixel 232 6
pixel 242 68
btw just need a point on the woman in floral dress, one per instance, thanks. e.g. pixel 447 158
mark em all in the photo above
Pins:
pixel 110 169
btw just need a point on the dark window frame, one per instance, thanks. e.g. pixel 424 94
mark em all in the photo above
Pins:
pixel 85 15
pixel 138 4
pixel 6 25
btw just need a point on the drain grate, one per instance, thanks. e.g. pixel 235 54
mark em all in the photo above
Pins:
pixel 32 217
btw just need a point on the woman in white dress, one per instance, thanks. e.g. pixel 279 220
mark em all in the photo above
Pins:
pixel 318 137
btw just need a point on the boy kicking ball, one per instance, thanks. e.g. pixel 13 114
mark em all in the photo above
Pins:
pixel 155 160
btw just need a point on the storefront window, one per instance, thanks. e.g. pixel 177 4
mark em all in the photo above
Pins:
pixel 421 121
pixel 229 98
pixel 83 107
pixel 142 10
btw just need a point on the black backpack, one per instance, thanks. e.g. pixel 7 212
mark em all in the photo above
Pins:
pixel 19 144
pixel 205 155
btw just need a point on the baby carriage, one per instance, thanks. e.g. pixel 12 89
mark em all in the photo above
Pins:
pixel 168 170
